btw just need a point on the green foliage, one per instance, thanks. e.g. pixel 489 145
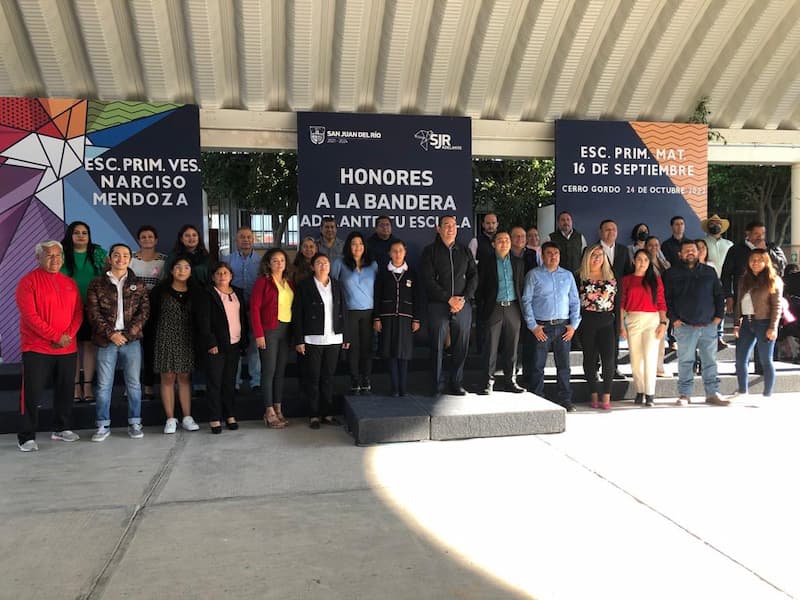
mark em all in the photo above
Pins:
pixel 701 114
pixel 765 189
pixel 514 189
pixel 262 182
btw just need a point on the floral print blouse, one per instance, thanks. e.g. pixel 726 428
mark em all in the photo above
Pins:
pixel 597 295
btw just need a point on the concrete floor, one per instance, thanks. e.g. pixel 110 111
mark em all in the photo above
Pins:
pixel 668 502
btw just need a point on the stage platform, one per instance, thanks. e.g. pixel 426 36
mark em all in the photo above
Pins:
pixel 381 419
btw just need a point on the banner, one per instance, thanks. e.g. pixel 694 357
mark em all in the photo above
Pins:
pixel 631 172
pixel 356 167
pixel 114 165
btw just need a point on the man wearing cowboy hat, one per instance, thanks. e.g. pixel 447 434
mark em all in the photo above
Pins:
pixel 718 246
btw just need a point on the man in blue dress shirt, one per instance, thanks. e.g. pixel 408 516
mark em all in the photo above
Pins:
pixel 552 312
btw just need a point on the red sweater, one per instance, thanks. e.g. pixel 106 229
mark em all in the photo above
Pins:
pixel 637 298
pixel 49 306
pixel 264 305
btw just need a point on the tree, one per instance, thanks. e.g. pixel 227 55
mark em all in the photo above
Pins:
pixel 262 182
pixel 765 189
pixel 514 189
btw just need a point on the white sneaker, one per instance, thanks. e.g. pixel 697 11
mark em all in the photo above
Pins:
pixel 101 434
pixel 29 446
pixel 171 426
pixel 135 431
pixel 189 425
pixel 64 436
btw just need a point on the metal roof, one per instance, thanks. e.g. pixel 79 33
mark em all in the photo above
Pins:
pixel 512 65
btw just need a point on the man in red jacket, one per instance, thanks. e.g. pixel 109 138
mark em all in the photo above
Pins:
pixel 50 313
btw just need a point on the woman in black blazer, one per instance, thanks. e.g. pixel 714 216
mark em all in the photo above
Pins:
pixel 221 321
pixel 319 332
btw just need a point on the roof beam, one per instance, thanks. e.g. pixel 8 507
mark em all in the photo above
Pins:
pixel 17 52
pixel 419 34
pixel 730 105
pixel 370 48
pixel 463 52
pixel 507 56
pixel 557 44
pixel 684 52
pixel 113 48
pixel 65 65
pixel 246 130
pixel 224 39
pixel 323 25
pixel 174 46
pixel 775 91
pixel 637 55
pixel 275 59
pixel 722 53
pixel 612 19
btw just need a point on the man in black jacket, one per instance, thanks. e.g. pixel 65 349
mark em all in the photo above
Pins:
pixel 499 292
pixel 379 242
pixel 450 278
pixel 695 305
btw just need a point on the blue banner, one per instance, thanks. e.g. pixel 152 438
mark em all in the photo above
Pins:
pixel 632 172
pixel 356 167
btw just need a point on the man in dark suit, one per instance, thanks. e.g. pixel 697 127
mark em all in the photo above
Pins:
pixel 620 261
pixel 500 282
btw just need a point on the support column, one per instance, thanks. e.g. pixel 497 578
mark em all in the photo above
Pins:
pixel 794 214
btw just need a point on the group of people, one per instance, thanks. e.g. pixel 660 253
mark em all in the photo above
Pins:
pixel 84 310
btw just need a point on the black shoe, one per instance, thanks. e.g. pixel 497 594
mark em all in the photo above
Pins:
pixel 330 421
pixel 570 407
pixel 366 386
pixel 514 388
pixel 355 388
pixel 639 399
pixel 485 391
pixel 232 426
pixel 314 424
pixel 649 400
pixel 458 390
pixel 216 429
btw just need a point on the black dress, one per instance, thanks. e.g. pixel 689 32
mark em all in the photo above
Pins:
pixel 172 313
pixel 397 305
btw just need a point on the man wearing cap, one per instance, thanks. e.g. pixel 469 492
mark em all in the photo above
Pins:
pixel 718 246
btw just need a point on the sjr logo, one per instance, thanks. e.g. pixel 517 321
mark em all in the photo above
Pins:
pixel 428 138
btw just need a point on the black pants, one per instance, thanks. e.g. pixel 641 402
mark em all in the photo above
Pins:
pixel 599 340
pixel 37 371
pixel 459 324
pixel 221 383
pixel 359 356
pixel 502 334
pixel 320 366
pixel 273 364
pixel 398 373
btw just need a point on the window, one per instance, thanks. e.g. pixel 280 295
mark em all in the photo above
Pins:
pixel 262 228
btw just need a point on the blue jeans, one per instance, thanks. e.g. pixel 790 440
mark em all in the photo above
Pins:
pixel 253 359
pixel 131 354
pixel 704 340
pixel 752 333
pixel 560 350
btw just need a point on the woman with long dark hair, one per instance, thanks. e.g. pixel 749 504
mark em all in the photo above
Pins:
pixel 301 265
pixel 756 316
pixel 643 322
pixel 189 244
pixel 319 332
pixel 597 289
pixel 83 261
pixel 271 316
pixel 221 325
pixel 171 309
pixel 356 271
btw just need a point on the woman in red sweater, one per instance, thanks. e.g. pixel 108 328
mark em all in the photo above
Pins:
pixel 643 321
pixel 270 316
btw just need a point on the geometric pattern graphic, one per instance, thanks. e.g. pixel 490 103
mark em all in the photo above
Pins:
pixel 44 143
